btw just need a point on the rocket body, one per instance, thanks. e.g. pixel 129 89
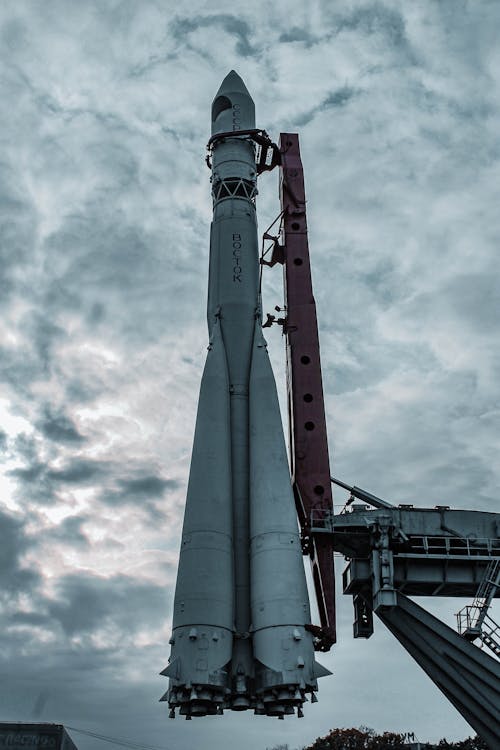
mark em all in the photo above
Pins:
pixel 241 600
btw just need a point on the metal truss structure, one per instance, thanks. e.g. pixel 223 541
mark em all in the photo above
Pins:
pixel 393 552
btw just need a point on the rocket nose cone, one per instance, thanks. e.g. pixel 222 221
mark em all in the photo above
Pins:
pixel 233 107
pixel 232 83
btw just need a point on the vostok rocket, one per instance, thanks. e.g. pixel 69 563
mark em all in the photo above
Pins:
pixel 241 603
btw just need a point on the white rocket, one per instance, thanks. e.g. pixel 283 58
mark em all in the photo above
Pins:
pixel 241 604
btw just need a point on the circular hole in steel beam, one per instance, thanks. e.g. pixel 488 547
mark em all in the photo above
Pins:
pixel 309 426
pixel 305 359
pixel 308 397
pixel 295 225
pixel 297 261
pixel 319 489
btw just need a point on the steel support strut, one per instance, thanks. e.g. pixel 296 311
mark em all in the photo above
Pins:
pixel 467 676
pixel 307 425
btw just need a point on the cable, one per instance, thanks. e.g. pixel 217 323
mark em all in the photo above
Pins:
pixel 116 740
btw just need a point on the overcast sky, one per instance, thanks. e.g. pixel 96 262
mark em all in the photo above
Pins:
pixel 105 211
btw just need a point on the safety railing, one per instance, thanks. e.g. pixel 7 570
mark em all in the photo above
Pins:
pixel 449 545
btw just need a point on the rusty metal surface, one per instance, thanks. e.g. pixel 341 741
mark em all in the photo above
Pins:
pixel 308 436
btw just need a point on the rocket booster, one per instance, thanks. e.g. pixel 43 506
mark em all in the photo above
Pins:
pixel 241 605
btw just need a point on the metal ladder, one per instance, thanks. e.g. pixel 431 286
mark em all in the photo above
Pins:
pixel 473 620
pixel 490 635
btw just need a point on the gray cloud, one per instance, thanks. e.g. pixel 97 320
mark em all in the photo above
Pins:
pixel 26 448
pixel 69 532
pixel 86 603
pixel 104 225
pixel 78 471
pixel 475 299
pixel 233 25
pixel 298 34
pixel 15 577
pixel 39 482
pixel 17 228
pixel 145 492
pixel 149 486
pixel 33 619
pixel 58 427
pixel 21 367
pixel 338 98
pixel 374 18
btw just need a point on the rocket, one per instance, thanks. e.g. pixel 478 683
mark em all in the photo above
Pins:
pixel 241 609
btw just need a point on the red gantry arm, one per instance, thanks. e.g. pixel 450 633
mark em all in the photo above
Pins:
pixel 307 425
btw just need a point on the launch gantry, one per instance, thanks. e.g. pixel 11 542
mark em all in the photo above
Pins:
pixel 393 552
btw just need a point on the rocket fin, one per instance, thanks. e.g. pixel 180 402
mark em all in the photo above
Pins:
pixel 320 670
pixel 172 669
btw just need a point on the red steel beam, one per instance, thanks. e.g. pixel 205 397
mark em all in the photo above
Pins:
pixel 307 425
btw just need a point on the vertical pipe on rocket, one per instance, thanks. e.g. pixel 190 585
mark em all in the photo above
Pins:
pixel 234 249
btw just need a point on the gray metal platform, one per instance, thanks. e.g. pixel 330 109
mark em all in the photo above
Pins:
pixel 433 551
pixel 396 552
